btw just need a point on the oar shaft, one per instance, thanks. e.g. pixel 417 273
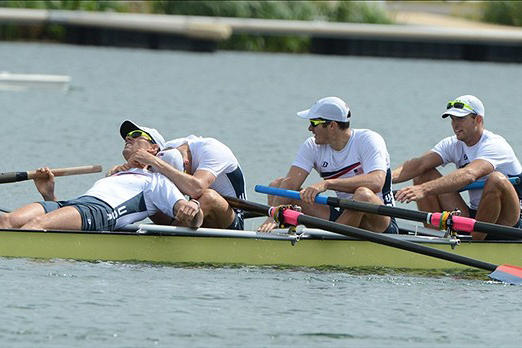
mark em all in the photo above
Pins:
pixel 349 204
pixel 476 185
pixel 480 184
pixel 246 205
pixel 383 239
pixel 68 171
pixel 293 217
pixel 21 176
pixel 460 223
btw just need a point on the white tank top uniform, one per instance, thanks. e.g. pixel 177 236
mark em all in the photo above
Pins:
pixel 491 147
pixel 136 194
pixel 365 152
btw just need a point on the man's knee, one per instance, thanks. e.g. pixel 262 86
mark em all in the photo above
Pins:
pixel 497 182
pixel 209 198
pixel 363 194
pixel 276 182
pixel 428 175
pixel 5 222
pixel 37 223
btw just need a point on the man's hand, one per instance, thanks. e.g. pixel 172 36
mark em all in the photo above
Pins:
pixel 267 226
pixel 142 158
pixel 44 182
pixel 410 194
pixel 308 194
pixel 118 168
pixel 188 213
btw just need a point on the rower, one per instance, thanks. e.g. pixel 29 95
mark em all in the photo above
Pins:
pixel 479 155
pixel 352 162
pixel 211 171
pixel 114 201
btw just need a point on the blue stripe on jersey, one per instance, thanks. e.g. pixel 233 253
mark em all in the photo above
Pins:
pixel 387 195
pixel 134 205
pixel 238 182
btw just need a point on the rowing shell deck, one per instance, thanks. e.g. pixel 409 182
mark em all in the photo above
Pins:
pixel 314 248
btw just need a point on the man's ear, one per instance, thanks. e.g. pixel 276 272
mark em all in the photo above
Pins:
pixel 154 149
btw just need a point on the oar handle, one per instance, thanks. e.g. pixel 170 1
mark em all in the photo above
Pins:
pixel 275 191
pixel 476 185
pixel 21 176
pixel 480 184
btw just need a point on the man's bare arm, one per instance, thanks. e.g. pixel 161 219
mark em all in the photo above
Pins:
pixel 416 166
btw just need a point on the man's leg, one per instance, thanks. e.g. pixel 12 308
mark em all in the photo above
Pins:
pixel 371 222
pixel 21 216
pixel 437 203
pixel 218 213
pixel 67 218
pixel 499 203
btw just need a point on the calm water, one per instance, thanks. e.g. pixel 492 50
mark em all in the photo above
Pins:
pixel 249 102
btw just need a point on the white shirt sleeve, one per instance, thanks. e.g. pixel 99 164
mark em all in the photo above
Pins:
pixel 446 150
pixel 214 157
pixel 374 155
pixel 305 157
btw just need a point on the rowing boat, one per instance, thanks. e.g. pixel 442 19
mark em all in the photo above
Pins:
pixel 10 81
pixel 306 247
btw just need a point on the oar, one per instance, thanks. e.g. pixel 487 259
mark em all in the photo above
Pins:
pixel 480 184
pixel 21 176
pixel 505 273
pixel 458 223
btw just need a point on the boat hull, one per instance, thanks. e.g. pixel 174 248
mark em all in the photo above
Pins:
pixel 228 250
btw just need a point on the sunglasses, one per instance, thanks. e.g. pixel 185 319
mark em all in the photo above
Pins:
pixel 459 105
pixel 315 123
pixel 139 133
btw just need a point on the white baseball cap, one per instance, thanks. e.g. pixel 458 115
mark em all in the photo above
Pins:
pixel 329 108
pixel 172 157
pixel 463 106
pixel 129 126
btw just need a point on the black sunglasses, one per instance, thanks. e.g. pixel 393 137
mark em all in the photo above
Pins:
pixel 139 133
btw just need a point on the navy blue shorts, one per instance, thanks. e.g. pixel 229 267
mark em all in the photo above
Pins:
pixel 393 228
pixel 239 221
pixel 94 212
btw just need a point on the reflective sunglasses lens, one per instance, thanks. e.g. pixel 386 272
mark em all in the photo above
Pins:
pixel 315 123
pixel 458 105
pixel 135 134
pixel 139 133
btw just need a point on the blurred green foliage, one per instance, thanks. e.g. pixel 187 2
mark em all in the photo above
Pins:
pixel 71 5
pixel 332 11
pixel 503 12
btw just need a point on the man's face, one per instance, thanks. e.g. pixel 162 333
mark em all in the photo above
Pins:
pixel 319 128
pixel 465 128
pixel 133 144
